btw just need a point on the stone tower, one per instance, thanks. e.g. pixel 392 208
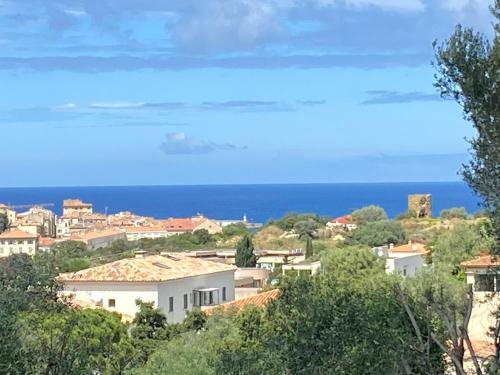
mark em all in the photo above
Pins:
pixel 421 204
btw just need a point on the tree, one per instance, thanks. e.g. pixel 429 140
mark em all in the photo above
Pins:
pixel 468 66
pixel 237 229
pixel 377 233
pixel 306 228
pixel 321 326
pixel 463 242
pixel 202 236
pixel 195 320
pixel 245 256
pixel 193 353
pixel 369 214
pixel 4 222
pixel 454 213
pixel 309 248
pixel 74 342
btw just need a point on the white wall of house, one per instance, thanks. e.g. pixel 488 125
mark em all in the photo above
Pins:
pixel 18 246
pixel 180 287
pixel 134 236
pixel 405 265
pixel 124 294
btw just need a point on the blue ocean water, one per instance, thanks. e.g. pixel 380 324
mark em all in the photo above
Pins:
pixel 259 202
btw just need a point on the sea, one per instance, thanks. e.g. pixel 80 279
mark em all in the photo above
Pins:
pixel 259 203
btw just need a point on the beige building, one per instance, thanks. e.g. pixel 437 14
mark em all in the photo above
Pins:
pixel 72 206
pixel 37 220
pixel 16 242
pixel 11 214
pixel 97 239
pixel 211 226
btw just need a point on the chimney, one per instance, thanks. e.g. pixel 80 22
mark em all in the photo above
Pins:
pixel 140 254
pixel 391 246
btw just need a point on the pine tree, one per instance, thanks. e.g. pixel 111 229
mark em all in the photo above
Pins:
pixel 309 248
pixel 245 256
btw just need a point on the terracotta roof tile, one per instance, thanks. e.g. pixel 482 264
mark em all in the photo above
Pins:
pixel 175 225
pixel 17 234
pixel 410 248
pixel 46 241
pixel 482 261
pixel 153 268
pixel 260 300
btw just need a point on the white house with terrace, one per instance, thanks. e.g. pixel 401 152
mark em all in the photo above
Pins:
pixel 176 283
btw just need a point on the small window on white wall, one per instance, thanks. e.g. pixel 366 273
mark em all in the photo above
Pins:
pixel 170 304
pixel 111 303
pixel 224 297
pixel 185 301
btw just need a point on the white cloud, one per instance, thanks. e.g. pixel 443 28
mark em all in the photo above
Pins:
pixel 66 106
pixel 116 105
pixel 226 25
pixel 178 143
pixel 394 5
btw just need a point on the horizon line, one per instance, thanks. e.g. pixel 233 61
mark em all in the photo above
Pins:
pixel 236 184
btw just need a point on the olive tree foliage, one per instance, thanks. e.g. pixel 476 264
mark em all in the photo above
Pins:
pixel 369 214
pixel 464 241
pixel 377 233
pixel 74 342
pixel 468 71
pixel 453 213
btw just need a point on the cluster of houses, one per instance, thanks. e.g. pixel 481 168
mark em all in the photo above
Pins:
pixel 179 282
pixel 39 228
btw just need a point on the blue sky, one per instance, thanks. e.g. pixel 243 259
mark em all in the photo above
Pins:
pixel 117 92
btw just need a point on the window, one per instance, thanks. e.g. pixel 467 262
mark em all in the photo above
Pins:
pixel 206 297
pixel 185 301
pixel 224 297
pixel 170 304
pixel 404 271
pixel 111 303
pixel 484 283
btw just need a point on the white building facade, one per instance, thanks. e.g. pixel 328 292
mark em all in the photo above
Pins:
pixel 18 242
pixel 175 283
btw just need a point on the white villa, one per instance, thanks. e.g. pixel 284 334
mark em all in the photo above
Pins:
pixel 405 259
pixel 176 283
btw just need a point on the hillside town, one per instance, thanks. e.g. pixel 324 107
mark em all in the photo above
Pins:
pixel 210 279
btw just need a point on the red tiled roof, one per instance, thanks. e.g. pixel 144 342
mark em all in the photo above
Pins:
pixel 178 225
pixel 46 241
pixel 482 261
pixel 346 219
pixel 17 234
pixel 410 248
pixel 259 300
